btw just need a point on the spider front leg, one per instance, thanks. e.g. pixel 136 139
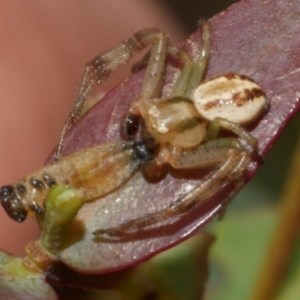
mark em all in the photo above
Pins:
pixel 229 160
pixel 101 67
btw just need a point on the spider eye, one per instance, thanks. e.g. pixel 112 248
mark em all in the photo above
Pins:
pixel 12 205
pixel 131 125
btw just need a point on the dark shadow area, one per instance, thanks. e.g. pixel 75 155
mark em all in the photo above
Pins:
pixel 189 12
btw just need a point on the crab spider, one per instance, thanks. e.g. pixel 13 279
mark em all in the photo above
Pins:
pixel 180 131
pixel 185 127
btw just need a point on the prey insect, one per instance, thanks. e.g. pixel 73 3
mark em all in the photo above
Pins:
pixel 180 131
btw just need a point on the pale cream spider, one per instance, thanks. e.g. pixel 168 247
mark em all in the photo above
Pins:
pixel 180 131
pixel 183 128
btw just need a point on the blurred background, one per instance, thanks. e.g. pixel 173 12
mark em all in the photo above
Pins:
pixel 43 49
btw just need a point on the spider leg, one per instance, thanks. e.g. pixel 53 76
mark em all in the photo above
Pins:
pixel 192 72
pixel 229 169
pixel 172 50
pixel 189 77
pixel 101 67
pixel 236 129
pixel 201 63
pixel 152 85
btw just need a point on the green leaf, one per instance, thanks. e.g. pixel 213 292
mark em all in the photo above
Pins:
pixel 17 283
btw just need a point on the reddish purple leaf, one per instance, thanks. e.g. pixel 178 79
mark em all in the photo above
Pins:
pixel 260 39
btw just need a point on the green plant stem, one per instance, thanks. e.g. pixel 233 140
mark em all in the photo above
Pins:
pixel 283 242
pixel 62 205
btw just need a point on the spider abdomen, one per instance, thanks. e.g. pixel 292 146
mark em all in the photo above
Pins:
pixel 233 97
